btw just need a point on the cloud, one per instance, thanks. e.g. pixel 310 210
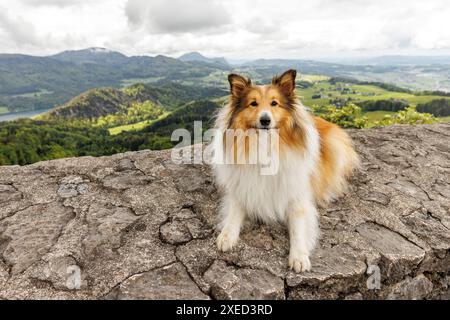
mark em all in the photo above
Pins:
pixel 177 16
pixel 232 28
pixel 17 29
pixel 55 3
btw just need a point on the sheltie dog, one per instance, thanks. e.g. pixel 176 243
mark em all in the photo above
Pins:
pixel 315 158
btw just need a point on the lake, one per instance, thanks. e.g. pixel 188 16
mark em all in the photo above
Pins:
pixel 21 115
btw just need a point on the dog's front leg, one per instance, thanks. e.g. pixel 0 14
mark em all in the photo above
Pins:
pixel 233 216
pixel 303 233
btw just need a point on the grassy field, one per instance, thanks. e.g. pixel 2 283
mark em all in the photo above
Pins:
pixel 3 110
pixel 35 94
pixel 135 126
pixel 129 82
pixel 376 115
pixel 329 91
pixel 444 119
pixel 219 78
pixel 313 77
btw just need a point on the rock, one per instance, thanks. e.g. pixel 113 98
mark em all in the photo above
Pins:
pixel 175 232
pixel 409 188
pixel 63 272
pixel 9 193
pixel 125 180
pixel 335 271
pixel 170 282
pixel 399 255
pixel 125 164
pixel 355 296
pixel 228 283
pixel 411 289
pixel 106 225
pixel 431 230
pixel 30 233
pixel 139 226
pixel 71 186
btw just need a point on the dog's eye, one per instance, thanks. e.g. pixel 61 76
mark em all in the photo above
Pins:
pixel 254 104
pixel 274 103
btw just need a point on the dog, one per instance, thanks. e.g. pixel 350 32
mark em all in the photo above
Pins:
pixel 315 160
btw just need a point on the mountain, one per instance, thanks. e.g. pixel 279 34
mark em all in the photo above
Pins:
pixel 91 55
pixel 197 57
pixel 184 117
pixel 29 82
pixel 92 104
pixel 101 102
pixel 398 60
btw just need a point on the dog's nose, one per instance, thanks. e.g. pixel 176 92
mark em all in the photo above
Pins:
pixel 264 120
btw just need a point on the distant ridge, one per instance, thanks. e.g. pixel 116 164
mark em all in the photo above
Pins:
pixel 41 82
pixel 91 55
pixel 392 60
pixel 34 82
pixel 408 60
pixel 198 57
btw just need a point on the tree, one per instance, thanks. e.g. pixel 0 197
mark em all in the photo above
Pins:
pixel 348 116
pixel 407 116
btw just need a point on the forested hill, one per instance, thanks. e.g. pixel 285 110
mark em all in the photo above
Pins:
pixel 102 102
pixel 105 121
pixel 28 141
pixel 29 82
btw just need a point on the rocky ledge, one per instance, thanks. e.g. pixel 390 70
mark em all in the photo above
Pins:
pixel 138 226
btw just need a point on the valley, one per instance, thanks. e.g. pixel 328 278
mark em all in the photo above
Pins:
pixel 103 102
pixel 11 116
pixel 31 82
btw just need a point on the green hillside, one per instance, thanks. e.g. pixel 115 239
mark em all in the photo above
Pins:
pixel 31 82
pixel 92 104
pixel 326 92
pixel 184 117
pixel 105 121
pixel 376 100
pixel 109 107
pixel 27 141
pixel 28 82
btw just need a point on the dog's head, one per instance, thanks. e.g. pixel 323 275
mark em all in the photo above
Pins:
pixel 262 107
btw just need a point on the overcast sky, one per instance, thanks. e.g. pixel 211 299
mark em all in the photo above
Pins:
pixel 230 28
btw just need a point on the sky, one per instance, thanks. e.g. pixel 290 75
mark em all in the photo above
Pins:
pixel 235 29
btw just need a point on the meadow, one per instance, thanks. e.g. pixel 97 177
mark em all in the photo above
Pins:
pixel 323 92
pixel 105 121
pixel 136 126
pixel 356 93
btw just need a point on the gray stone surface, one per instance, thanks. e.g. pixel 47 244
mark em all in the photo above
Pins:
pixel 417 288
pixel 137 226
pixel 169 282
pixel 230 283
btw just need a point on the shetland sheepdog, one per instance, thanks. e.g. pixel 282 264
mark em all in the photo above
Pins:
pixel 315 158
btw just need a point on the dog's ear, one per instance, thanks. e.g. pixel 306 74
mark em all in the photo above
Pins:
pixel 238 84
pixel 286 82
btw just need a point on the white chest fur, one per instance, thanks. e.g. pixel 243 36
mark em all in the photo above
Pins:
pixel 266 197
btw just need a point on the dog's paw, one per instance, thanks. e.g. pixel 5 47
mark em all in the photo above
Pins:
pixel 299 263
pixel 226 241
